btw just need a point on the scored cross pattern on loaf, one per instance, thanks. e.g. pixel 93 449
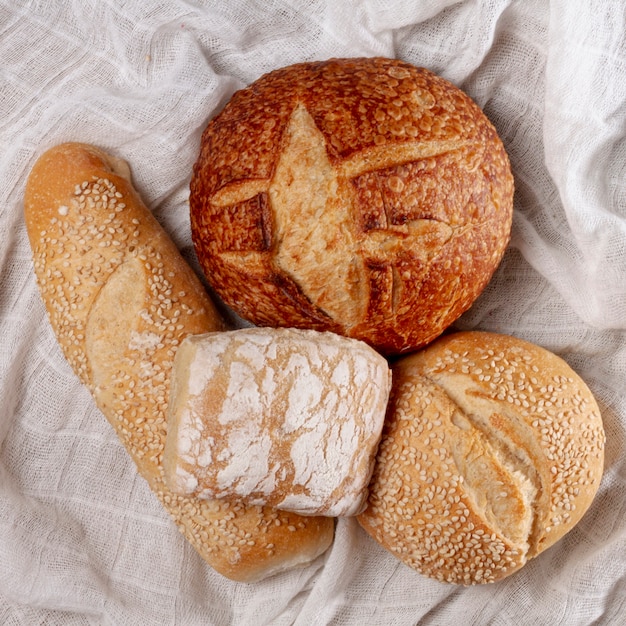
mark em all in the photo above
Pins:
pixel 327 199
pixel 362 196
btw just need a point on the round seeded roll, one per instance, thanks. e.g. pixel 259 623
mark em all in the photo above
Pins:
pixel 121 299
pixel 365 196
pixel 493 449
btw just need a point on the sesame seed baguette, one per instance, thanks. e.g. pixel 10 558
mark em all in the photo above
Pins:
pixel 492 451
pixel 120 299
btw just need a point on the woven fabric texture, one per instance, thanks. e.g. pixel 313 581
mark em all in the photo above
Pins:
pixel 82 539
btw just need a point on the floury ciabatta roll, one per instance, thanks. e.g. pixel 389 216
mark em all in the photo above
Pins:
pixel 276 416
pixel 493 450
pixel 120 299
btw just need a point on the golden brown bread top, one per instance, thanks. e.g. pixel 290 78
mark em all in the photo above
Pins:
pixel 120 299
pixel 493 449
pixel 383 99
pixel 364 196
pixel 87 225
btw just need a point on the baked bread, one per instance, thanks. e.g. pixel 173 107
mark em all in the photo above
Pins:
pixel 363 196
pixel 120 299
pixel 282 417
pixel 492 450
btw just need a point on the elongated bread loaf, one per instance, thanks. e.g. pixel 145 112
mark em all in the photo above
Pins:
pixel 120 299
pixel 493 449
pixel 276 416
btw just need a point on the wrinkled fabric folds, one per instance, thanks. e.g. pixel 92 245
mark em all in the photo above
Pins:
pixel 82 539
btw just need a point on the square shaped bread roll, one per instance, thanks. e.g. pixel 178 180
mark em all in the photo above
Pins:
pixel 281 417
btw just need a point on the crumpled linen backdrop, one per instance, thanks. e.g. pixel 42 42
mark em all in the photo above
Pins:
pixel 82 539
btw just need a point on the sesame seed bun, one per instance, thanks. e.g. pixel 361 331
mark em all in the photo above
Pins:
pixel 120 299
pixel 493 450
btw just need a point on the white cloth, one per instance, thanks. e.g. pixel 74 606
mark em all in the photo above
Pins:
pixel 82 539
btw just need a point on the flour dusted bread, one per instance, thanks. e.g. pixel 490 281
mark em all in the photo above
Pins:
pixel 366 196
pixel 120 299
pixel 285 417
pixel 493 449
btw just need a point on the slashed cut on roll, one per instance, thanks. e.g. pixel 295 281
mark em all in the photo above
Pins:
pixel 493 450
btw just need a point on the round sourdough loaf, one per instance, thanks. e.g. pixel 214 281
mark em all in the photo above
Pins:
pixel 492 451
pixel 363 196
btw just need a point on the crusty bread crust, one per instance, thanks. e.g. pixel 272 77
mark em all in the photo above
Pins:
pixel 276 416
pixel 493 449
pixel 120 299
pixel 367 197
